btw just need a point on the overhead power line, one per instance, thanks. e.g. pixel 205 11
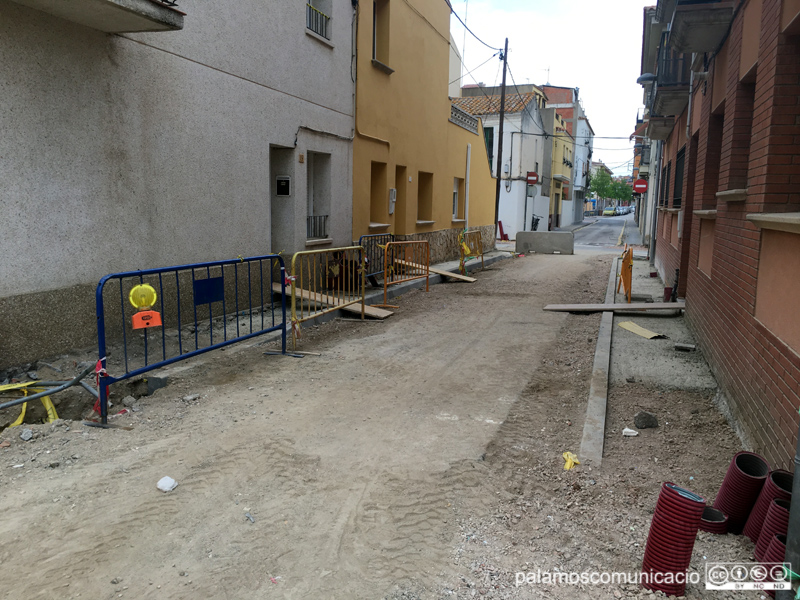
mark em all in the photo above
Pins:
pixel 476 68
pixel 468 29
pixel 525 105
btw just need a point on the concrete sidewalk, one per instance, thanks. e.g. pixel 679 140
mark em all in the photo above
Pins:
pixel 623 357
pixel 655 362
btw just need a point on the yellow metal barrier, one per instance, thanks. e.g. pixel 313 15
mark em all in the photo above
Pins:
pixel 324 281
pixel 626 273
pixel 470 245
pixel 405 261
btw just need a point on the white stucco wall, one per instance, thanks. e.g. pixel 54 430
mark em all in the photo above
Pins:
pixel 454 79
pixel 144 150
pixel 521 154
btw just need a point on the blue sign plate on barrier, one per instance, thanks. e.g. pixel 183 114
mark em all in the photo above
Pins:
pixel 209 290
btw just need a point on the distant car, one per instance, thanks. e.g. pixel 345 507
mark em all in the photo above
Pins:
pixel 609 211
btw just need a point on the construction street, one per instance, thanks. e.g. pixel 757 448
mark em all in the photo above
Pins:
pixel 419 457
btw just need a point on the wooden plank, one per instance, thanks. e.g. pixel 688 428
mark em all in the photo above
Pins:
pixel 370 311
pixel 619 307
pixel 458 276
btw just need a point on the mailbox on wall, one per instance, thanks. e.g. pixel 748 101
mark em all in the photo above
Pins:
pixel 283 185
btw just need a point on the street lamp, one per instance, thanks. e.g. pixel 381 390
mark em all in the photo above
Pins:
pixel 646 78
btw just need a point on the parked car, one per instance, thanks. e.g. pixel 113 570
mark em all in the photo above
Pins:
pixel 609 211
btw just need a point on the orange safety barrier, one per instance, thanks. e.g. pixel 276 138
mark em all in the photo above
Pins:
pixel 470 245
pixel 626 273
pixel 405 261
pixel 324 281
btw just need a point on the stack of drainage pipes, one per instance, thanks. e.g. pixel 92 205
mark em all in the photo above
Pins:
pixel 752 499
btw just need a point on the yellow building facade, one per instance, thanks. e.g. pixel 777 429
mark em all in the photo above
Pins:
pixel 561 168
pixel 410 151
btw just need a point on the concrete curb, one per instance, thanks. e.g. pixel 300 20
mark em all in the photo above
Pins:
pixel 594 427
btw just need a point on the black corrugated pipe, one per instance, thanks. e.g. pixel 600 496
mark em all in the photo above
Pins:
pixel 793 532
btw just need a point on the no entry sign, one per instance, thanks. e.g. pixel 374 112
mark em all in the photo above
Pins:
pixel 640 186
pixel 533 177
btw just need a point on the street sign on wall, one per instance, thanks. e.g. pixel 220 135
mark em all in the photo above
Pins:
pixel 640 186
pixel 533 178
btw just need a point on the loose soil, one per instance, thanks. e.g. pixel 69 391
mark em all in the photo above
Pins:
pixel 417 458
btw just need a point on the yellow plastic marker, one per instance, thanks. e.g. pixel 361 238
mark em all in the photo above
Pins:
pixel 571 460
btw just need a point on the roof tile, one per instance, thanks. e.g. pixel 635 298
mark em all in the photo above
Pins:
pixel 487 105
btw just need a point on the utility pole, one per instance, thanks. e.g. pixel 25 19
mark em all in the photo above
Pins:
pixel 500 141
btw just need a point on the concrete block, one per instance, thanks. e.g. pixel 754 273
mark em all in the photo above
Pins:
pixel 545 242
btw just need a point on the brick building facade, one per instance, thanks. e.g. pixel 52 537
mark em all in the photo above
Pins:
pixel 728 199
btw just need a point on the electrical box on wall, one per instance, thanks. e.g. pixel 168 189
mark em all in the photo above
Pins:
pixel 392 200
pixel 283 185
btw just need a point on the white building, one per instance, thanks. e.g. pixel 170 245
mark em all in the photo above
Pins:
pixel 137 137
pixel 524 151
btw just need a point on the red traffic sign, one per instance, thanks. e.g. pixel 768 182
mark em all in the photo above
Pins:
pixel 640 186
pixel 533 177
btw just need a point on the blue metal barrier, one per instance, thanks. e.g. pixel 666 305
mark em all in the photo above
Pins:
pixel 373 251
pixel 195 303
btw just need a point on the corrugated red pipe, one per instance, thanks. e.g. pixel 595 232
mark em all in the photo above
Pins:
pixel 777 485
pixel 740 488
pixel 775 523
pixel 670 541
pixel 775 554
pixel 714 521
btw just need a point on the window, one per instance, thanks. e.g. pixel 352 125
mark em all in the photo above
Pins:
pixel 318 17
pixel 710 174
pixel 662 197
pixel 424 197
pixel 673 230
pixel 318 178
pixel 380 31
pixel 488 136
pixel 458 198
pixel 677 193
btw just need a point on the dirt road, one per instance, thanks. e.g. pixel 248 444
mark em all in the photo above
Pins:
pixel 415 458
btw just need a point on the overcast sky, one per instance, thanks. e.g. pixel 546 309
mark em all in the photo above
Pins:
pixel 594 45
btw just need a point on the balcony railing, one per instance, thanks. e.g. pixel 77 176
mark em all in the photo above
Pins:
pixel 318 22
pixel 670 93
pixel 463 119
pixel 317 227
pixel 674 69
